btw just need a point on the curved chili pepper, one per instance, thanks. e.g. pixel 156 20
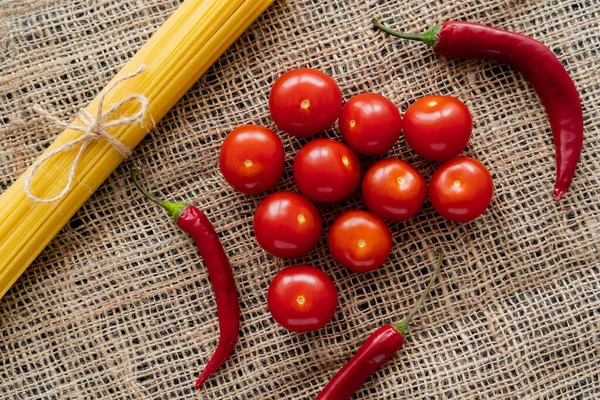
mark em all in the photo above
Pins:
pixel 540 67
pixel 375 351
pixel 193 221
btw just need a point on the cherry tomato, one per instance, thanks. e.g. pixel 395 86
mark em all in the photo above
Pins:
pixel 370 124
pixel 360 241
pixel 438 127
pixel 461 189
pixel 252 159
pixel 302 298
pixel 394 190
pixel 304 102
pixel 287 225
pixel 326 171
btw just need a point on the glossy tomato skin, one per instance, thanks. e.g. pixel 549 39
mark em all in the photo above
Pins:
pixel 461 189
pixel 360 241
pixel 370 124
pixel 392 189
pixel 302 298
pixel 326 171
pixel 304 102
pixel 438 127
pixel 252 159
pixel 287 225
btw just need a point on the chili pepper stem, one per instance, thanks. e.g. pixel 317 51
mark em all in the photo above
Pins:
pixel 403 325
pixel 175 209
pixel 429 37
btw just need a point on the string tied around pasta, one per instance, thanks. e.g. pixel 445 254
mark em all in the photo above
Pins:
pixel 94 128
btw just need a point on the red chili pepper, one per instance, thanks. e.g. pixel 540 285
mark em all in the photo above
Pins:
pixel 540 67
pixel 193 221
pixel 375 351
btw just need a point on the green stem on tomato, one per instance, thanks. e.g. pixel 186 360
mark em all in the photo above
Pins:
pixel 403 325
pixel 175 209
pixel 428 37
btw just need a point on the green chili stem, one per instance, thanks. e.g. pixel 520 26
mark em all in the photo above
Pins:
pixel 428 37
pixel 403 325
pixel 175 209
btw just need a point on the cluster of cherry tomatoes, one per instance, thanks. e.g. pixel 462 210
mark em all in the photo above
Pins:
pixel 305 102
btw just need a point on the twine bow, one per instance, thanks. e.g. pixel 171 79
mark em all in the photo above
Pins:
pixel 93 129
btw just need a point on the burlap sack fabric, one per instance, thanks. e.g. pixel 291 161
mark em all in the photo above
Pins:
pixel 120 306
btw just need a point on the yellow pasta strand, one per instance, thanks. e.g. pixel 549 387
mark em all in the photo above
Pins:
pixel 180 51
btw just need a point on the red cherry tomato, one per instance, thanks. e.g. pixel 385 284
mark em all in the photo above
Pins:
pixel 438 127
pixel 252 159
pixel 304 102
pixel 287 225
pixel 326 170
pixel 370 124
pixel 302 298
pixel 394 190
pixel 461 189
pixel 360 241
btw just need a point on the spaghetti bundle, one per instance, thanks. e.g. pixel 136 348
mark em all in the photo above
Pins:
pixel 159 74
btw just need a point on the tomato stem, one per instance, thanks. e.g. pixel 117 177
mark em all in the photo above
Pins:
pixel 429 37
pixel 175 209
pixel 403 325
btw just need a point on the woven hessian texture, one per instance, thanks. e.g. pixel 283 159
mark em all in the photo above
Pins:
pixel 119 305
